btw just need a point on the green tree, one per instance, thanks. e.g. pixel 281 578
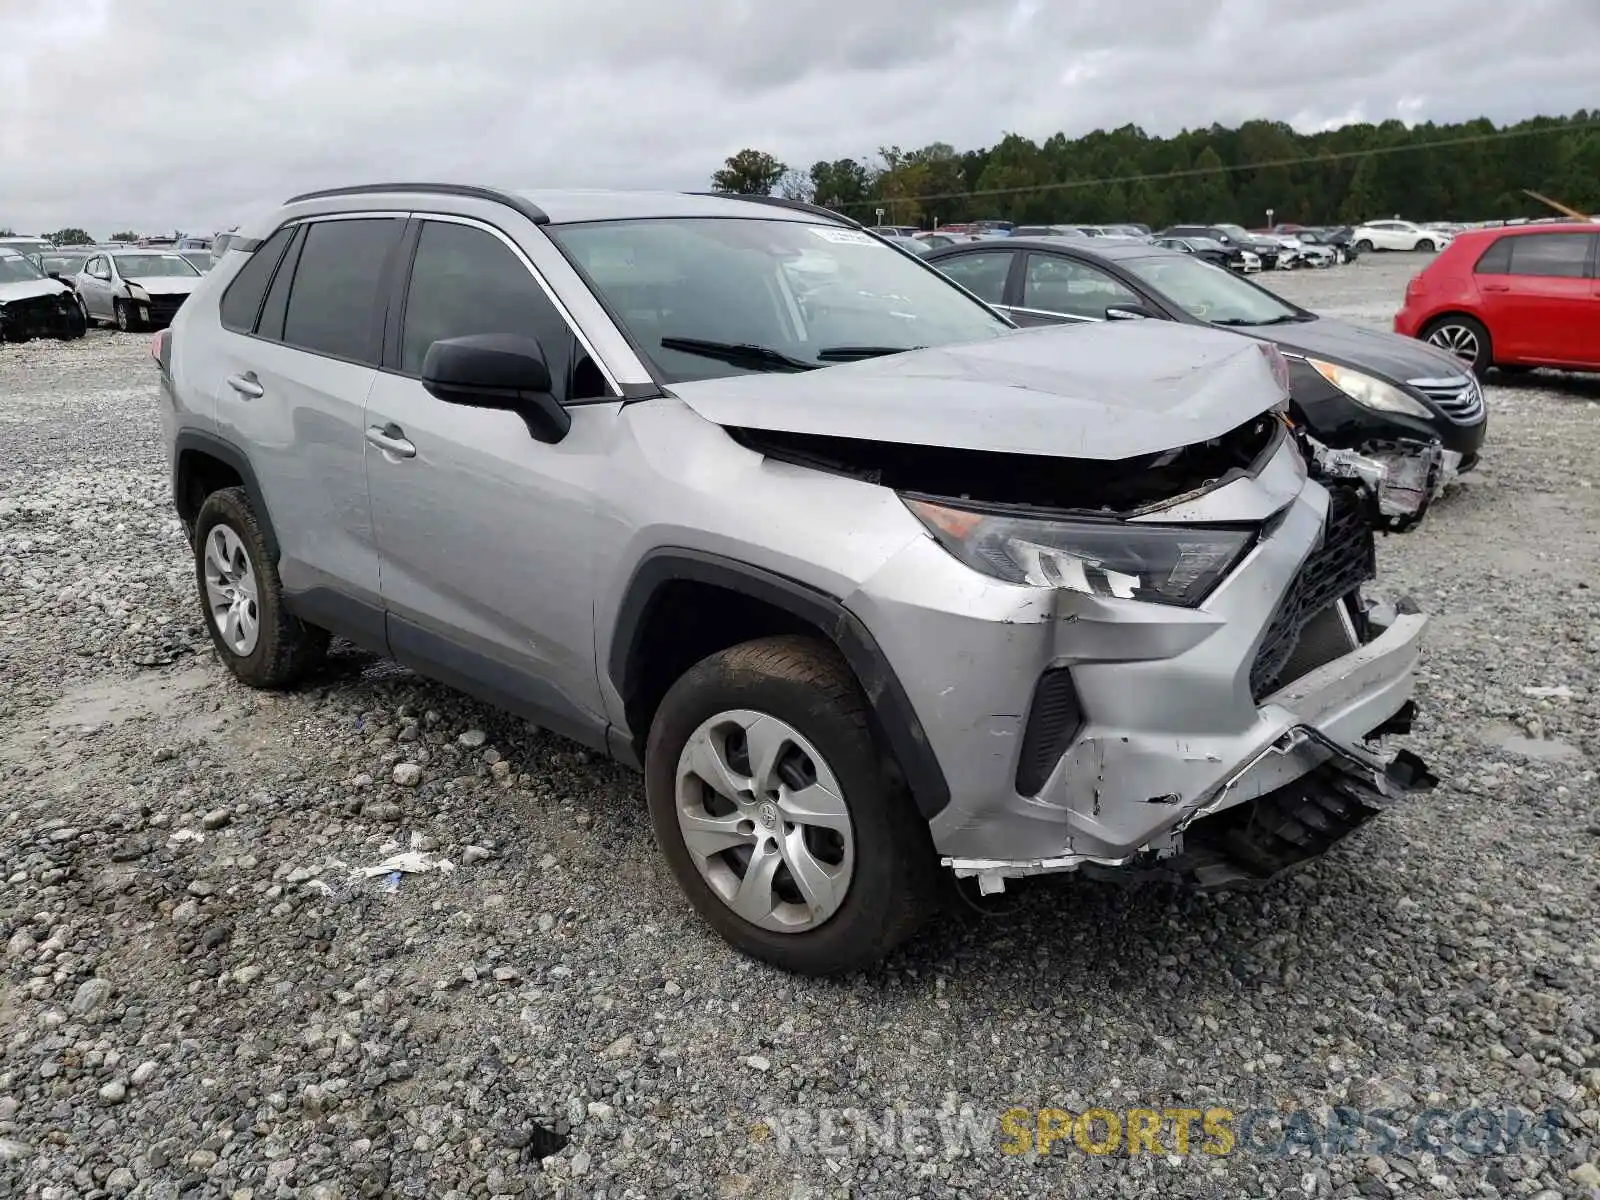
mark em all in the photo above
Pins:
pixel 127 235
pixel 1361 201
pixel 71 236
pixel 1208 195
pixel 842 184
pixel 8 232
pixel 796 185
pixel 749 173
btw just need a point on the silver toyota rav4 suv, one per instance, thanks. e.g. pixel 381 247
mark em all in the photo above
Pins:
pixel 884 596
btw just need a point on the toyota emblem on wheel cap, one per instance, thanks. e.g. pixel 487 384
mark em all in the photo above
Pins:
pixel 768 813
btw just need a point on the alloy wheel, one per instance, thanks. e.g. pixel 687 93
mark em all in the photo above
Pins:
pixel 765 821
pixel 231 591
pixel 1457 339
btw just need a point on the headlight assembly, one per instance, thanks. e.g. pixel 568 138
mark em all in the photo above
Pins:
pixel 1370 392
pixel 1164 564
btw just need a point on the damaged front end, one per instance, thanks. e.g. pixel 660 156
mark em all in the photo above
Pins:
pixel 1327 674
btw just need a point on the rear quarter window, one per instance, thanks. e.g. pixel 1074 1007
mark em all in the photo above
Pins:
pixel 1551 255
pixel 241 303
pixel 1496 260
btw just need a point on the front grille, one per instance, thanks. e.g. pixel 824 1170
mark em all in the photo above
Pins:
pixel 1459 398
pixel 1345 560
pixel 164 308
pixel 1054 719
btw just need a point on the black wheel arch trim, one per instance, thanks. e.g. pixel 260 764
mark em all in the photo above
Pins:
pixel 198 441
pixel 890 707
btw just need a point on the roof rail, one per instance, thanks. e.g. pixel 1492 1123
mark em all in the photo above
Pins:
pixel 816 210
pixel 528 209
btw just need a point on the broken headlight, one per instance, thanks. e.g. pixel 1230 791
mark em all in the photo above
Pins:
pixel 1370 392
pixel 1165 564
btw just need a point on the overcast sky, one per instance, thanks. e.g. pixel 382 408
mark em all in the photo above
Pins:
pixel 158 114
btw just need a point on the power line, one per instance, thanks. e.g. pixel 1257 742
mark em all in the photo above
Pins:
pixel 1223 169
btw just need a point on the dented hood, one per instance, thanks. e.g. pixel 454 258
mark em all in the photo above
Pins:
pixel 1111 390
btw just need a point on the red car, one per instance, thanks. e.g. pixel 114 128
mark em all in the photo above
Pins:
pixel 1516 298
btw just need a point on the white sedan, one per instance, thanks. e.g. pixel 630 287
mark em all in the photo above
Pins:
pixel 1397 235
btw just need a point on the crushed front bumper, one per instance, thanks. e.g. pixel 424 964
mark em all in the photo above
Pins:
pixel 1078 731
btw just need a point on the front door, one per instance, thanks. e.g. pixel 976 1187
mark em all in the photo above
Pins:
pixel 488 538
pixel 94 286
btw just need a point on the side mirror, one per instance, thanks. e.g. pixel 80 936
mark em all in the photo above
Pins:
pixel 1128 312
pixel 502 371
pixel 56 275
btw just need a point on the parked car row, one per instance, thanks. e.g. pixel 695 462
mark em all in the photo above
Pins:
pixel 131 287
pixel 1389 398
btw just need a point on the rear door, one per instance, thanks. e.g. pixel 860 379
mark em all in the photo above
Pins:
pixel 291 391
pixel 985 273
pixel 1549 310
pixel 1057 289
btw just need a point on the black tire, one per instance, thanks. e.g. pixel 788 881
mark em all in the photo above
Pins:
pixel 1484 358
pixel 1426 246
pixel 805 683
pixel 1514 369
pixel 286 648
pixel 1363 247
pixel 125 320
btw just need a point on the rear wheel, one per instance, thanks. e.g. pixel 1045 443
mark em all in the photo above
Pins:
pixel 1464 337
pixel 772 807
pixel 1426 246
pixel 258 639
pixel 1363 247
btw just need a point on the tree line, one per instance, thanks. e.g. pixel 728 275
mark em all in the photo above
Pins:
pixel 1471 171
pixel 73 236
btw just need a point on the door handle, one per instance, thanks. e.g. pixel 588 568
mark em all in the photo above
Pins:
pixel 246 385
pixel 391 439
pixel 1497 287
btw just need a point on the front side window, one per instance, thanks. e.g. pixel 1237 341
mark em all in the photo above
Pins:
pixel 984 275
pixel 1063 285
pixel 1210 293
pixel 334 295
pixel 708 297
pixel 464 281
pixel 154 266
pixel 1553 255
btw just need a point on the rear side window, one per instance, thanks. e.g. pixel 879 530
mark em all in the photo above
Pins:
pixel 1558 255
pixel 1496 259
pixel 984 275
pixel 241 303
pixel 333 301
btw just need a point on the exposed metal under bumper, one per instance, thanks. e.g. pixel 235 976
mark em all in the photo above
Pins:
pixel 1255 841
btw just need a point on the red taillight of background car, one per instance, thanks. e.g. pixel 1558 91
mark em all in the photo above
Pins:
pixel 156 344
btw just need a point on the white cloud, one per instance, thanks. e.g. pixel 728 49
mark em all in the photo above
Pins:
pixel 156 113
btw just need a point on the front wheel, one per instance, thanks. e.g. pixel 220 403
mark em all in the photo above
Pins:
pixel 772 807
pixel 257 638
pixel 1425 246
pixel 124 316
pixel 1363 247
pixel 1464 337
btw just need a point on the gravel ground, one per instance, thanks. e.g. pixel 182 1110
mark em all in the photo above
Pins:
pixel 197 998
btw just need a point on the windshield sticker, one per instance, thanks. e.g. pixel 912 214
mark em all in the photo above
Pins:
pixel 848 237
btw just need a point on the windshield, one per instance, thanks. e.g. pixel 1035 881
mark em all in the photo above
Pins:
pixel 16 269
pixel 65 264
pixel 152 266
pixel 811 294
pixel 1211 293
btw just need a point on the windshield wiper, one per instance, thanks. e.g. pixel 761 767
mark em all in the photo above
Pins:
pixel 740 354
pixel 1284 320
pixel 852 353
